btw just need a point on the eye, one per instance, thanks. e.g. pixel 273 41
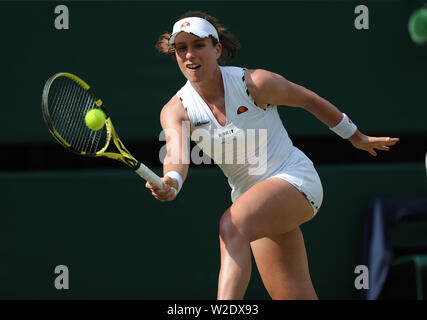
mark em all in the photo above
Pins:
pixel 200 45
pixel 180 48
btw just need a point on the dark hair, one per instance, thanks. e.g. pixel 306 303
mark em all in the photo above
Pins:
pixel 230 43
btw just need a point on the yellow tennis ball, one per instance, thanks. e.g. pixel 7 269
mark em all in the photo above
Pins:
pixel 95 119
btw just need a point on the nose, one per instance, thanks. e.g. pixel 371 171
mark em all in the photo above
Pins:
pixel 189 54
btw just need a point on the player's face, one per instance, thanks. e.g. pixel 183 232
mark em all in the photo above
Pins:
pixel 196 57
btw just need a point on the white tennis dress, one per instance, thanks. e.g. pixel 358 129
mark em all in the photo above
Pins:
pixel 253 145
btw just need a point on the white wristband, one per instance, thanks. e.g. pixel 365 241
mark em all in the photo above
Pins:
pixel 175 175
pixel 346 128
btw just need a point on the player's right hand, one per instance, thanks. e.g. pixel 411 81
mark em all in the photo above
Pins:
pixel 167 192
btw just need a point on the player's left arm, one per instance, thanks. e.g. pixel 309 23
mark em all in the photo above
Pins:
pixel 267 87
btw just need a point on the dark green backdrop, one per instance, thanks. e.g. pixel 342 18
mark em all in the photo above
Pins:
pixel 132 246
pixel 378 76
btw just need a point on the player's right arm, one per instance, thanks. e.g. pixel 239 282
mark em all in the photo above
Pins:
pixel 175 123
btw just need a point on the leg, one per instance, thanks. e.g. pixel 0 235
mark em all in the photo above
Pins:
pixel 270 208
pixel 283 266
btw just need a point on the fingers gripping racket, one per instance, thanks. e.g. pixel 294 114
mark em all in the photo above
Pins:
pixel 65 101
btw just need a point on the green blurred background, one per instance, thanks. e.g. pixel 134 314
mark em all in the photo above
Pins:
pixel 119 242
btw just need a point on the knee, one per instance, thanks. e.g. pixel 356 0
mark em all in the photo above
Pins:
pixel 229 230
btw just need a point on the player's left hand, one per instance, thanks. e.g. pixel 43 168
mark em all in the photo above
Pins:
pixel 363 142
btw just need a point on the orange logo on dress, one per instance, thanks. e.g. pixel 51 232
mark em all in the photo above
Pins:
pixel 241 109
pixel 185 24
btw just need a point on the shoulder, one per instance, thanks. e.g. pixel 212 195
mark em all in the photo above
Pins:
pixel 261 85
pixel 272 88
pixel 258 78
pixel 173 111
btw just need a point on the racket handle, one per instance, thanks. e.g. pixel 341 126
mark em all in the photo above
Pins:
pixel 149 175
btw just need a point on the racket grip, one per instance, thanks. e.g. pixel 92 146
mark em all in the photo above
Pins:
pixel 149 175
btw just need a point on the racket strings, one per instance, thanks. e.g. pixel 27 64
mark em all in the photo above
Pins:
pixel 68 104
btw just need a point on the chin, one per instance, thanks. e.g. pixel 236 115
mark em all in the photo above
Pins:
pixel 193 78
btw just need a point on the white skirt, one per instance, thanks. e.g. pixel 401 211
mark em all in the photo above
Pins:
pixel 299 171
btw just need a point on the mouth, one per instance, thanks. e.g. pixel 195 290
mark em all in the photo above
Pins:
pixel 193 67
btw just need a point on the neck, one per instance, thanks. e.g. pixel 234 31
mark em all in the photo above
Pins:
pixel 210 88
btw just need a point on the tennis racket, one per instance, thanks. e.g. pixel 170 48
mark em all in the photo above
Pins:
pixel 65 101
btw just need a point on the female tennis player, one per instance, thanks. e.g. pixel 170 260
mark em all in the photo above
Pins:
pixel 271 197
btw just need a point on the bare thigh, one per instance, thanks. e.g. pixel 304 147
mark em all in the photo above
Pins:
pixel 269 208
pixel 282 263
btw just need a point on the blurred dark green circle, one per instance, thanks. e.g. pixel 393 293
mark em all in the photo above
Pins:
pixel 417 26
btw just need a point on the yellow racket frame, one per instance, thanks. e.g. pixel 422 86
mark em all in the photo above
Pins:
pixel 124 155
